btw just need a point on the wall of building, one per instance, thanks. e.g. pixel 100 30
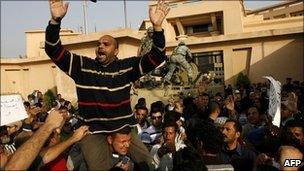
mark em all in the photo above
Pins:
pixel 276 50
pixel 279 56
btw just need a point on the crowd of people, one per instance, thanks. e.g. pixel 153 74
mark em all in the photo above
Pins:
pixel 185 133
pixel 226 130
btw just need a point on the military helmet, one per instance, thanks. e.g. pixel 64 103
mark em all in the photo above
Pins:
pixel 150 29
pixel 181 43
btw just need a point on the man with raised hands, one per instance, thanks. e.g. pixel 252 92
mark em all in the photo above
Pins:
pixel 103 85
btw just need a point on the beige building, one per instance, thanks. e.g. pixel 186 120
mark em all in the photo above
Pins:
pixel 224 37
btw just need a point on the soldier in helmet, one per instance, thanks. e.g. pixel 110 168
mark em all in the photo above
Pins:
pixel 179 57
pixel 146 42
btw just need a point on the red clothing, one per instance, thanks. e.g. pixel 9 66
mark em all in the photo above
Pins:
pixel 58 164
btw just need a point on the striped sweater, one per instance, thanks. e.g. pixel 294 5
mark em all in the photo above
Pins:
pixel 103 92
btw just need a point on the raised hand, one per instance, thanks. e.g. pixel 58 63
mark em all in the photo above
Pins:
pixel 58 10
pixel 80 133
pixel 158 14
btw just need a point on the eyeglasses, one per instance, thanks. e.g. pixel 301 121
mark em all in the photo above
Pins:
pixel 156 117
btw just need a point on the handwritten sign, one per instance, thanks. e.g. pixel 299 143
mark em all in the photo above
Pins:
pixel 274 108
pixel 12 109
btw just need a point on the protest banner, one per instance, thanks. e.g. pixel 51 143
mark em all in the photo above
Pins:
pixel 12 109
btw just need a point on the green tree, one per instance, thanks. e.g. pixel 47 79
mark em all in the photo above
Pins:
pixel 242 80
pixel 49 99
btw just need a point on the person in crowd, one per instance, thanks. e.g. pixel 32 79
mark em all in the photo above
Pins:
pixel 118 152
pixel 141 114
pixel 288 86
pixel 52 155
pixel 141 102
pixel 293 134
pixel 180 56
pixel 208 142
pixel 254 118
pixel 289 152
pixel 31 99
pixel 152 134
pixel 187 159
pixel 25 155
pixel 103 90
pixel 163 152
pixel 215 110
pixel 229 108
pixel 171 103
pixel 203 105
pixel 233 152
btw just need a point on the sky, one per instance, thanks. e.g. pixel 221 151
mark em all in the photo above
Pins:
pixel 20 16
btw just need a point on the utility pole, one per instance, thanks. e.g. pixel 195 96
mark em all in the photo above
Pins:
pixel 125 13
pixel 85 20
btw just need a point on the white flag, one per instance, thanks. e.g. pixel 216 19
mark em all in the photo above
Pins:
pixel 274 109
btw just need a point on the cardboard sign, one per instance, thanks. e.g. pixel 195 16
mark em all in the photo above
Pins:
pixel 12 109
pixel 274 108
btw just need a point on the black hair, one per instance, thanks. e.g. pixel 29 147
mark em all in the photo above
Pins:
pixel 219 94
pixel 211 137
pixel 214 106
pixel 138 106
pixel 170 124
pixel 38 105
pixel 171 116
pixel 157 106
pixel 187 159
pixel 237 126
pixel 26 104
pixel 294 123
pixel 141 101
pixel 204 94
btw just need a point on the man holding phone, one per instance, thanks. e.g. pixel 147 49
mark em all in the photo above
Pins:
pixel 117 155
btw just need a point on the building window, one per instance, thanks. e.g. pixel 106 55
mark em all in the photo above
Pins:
pixel 198 28
pixel 298 13
pixel 280 16
pixel 211 63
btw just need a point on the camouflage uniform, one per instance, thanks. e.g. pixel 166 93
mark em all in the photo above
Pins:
pixel 179 57
pixel 146 43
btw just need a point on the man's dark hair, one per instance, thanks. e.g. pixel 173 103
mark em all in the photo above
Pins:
pixel 170 124
pixel 187 159
pixel 137 107
pixel 210 136
pixel 157 106
pixel 141 101
pixel 204 94
pixel 38 105
pixel 214 106
pixel 237 126
pixel 219 94
pixel 26 104
pixel 294 123
pixel 258 109
pixel 171 116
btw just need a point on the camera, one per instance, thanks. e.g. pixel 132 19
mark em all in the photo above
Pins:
pixel 125 159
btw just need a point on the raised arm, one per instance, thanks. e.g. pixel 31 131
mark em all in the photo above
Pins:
pixel 157 53
pixel 66 61
pixel 25 155
pixel 51 153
